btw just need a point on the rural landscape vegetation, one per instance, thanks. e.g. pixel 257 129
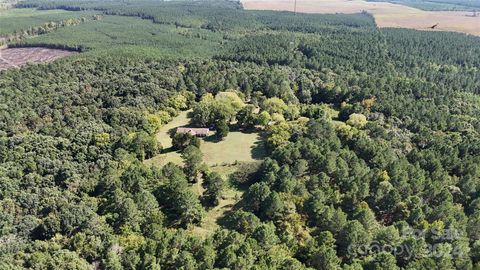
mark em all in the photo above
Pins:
pixel 216 134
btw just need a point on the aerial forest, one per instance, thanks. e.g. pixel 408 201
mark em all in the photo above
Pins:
pixel 370 142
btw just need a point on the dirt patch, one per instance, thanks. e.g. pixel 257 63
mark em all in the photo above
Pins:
pixel 16 57
pixel 386 14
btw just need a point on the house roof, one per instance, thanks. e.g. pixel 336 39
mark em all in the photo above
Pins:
pixel 193 131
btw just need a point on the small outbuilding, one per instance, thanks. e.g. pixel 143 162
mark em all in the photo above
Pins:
pixel 199 132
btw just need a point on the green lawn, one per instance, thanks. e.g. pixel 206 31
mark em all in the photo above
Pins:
pixel 236 147
pixel 162 159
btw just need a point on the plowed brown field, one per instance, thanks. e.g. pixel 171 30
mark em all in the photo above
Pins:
pixel 15 57
pixel 386 14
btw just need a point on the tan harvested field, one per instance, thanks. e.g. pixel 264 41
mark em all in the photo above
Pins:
pixel 386 14
pixel 16 57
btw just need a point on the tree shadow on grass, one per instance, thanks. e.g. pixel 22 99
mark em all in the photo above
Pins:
pixel 168 150
pixel 258 150
pixel 226 220
pixel 171 132
pixel 212 138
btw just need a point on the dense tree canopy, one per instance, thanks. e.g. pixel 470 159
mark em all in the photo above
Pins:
pixel 370 134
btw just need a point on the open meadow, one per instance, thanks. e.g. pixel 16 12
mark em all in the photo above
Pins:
pixel 386 14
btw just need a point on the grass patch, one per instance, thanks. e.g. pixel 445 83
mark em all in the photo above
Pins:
pixel 236 147
pixel 210 222
pixel 163 135
pixel 163 159
pixel 230 197
pixel 12 20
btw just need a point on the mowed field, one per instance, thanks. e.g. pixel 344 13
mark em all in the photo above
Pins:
pixel 15 57
pixel 236 147
pixel 386 14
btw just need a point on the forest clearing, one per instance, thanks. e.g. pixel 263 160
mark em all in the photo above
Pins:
pixel 15 57
pixel 236 147
pixel 386 14
pixel 225 156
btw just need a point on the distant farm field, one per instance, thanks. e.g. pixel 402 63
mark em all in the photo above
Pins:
pixel 15 57
pixel 386 14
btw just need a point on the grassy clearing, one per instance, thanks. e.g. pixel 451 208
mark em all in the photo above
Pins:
pixel 210 221
pixel 222 157
pixel 163 137
pixel 162 159
pixel 17 19
pixel 236 147
pixel 230 197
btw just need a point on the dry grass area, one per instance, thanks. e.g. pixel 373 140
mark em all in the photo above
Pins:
pixel 236 147
pixel 16 57
pixel 386 14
